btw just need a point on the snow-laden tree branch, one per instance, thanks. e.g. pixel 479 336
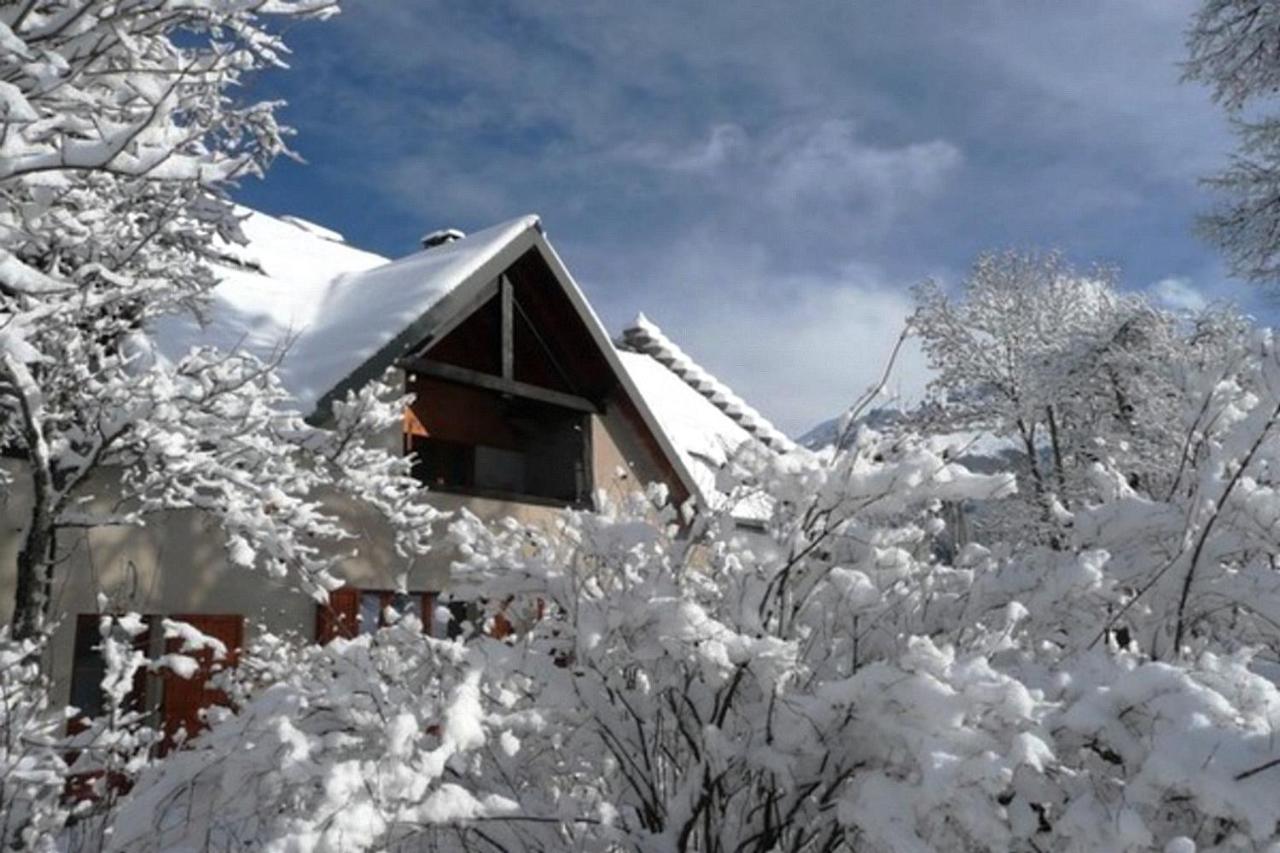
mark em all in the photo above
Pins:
pixel 1234 48
pixel 120 137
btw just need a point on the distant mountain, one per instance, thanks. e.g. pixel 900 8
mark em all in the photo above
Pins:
pixel 975 449
pixel 824 434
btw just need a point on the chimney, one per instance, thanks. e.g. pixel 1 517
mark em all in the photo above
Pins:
pixel 439 238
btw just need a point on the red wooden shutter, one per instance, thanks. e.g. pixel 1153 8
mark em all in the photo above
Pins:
pixel 428 612
pixel 185 698
pixel 501 627
pixel 338 618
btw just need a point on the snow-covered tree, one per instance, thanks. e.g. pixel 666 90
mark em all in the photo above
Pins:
pixel 121 136
pixel 1073 372
pixel 1002 352
pixel 1235 49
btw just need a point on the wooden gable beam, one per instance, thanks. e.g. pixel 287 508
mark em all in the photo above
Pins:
pixel 508 330
pixel 500 384
pixel 455 311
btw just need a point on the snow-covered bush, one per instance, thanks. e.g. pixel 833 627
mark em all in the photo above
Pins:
pixel 32 768
pixel 670 686
pixel 63 771
pixel 677 682
pixel 351 746
pixel 1147 752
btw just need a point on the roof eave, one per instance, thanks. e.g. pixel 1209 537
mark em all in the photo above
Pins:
pixel 426 324
pixel 602 340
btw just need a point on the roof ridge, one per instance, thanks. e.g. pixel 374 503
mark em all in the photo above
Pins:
pixel 643 335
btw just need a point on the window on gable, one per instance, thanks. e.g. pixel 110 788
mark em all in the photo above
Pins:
pixel 486 444
pixel 504 398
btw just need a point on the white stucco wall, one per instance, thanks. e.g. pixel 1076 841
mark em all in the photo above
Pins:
pixel 177 565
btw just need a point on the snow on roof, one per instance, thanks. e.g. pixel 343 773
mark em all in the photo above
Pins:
pixel 335 306
pixel 312 228
pixel 644 336
pixel 371 309
pixel 703 436
pixel 705 422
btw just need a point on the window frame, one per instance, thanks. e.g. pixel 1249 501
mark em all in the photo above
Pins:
pixel 585 424
pixel 332 622
pixel 88 638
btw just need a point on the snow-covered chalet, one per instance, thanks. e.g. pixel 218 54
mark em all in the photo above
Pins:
pixel 524 405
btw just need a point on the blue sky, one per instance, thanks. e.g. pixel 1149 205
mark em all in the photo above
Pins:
pixel 765 180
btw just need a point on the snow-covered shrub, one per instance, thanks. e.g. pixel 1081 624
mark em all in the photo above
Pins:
pixel 823 683
pixel 671 686
pixel 357 745
pixel 1147 752
pixel 32 769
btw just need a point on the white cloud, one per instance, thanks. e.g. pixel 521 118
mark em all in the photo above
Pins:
pixel 1178 293
pixel 800 176
pixel 723 143
pixel 798 347
pixel 828 164
pixel 804 360
pixel 1210 286
pixel 811 160
pixel 725 167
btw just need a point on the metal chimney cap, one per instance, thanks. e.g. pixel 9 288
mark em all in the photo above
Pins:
pixel 439 238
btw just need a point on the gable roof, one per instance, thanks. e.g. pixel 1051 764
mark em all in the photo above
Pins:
pixel 644 336
pixel 348 315
pixel 388 309
pixel 701 434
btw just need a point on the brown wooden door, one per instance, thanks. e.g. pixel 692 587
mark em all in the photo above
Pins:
pixel 185 698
